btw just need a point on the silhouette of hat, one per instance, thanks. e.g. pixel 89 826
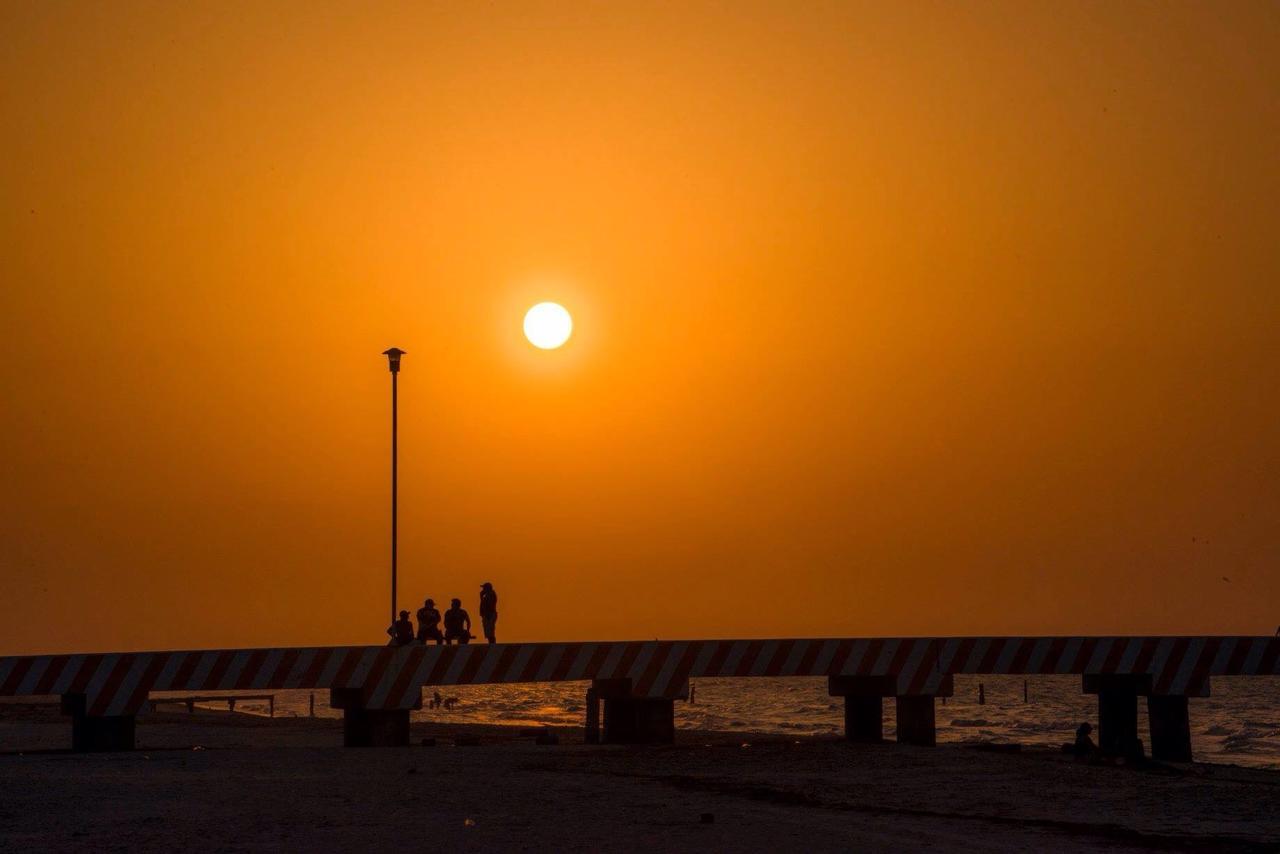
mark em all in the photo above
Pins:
pixel 430 603
pixel 486 586
pixel 404 613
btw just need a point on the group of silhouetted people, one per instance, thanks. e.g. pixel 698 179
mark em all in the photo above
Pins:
pixel 457 622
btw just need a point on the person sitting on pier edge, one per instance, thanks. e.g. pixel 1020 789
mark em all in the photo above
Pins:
pixel 401 631
pixel 489 611
pixel 429 623
pixel 457 623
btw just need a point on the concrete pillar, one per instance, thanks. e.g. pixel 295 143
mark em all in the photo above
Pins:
pixel 864 719
pixel 634 720
pixel 375 727
pixel 1117 711
pixel 592 735
pixel 1170 728
pixel 94 734
pixel 363 727
pixel 98 733
pixel 916 723
pixel 1117 722
pixel 639 720
pixel 864 708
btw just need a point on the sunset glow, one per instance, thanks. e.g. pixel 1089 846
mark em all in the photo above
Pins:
pixel 887 318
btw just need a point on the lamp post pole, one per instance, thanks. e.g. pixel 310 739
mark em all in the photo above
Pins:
pixel 393 362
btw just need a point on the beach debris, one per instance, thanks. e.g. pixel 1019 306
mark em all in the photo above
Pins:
pixel 746 744
pixel 707 818
pixel 468 822
pixel 197 747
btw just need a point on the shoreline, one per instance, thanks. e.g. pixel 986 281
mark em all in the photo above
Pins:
pixel 41 722
pixel 233 781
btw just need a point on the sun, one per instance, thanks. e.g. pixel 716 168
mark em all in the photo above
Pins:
pixel 547 325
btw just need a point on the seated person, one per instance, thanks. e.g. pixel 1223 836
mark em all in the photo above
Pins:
pixel 457 624
pixel 401 631
pixel 1084 748
pixel 429 623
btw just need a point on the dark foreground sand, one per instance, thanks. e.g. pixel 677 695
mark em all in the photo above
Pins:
pixel 285 784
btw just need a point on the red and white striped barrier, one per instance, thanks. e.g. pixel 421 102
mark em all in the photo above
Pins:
pixel 392 678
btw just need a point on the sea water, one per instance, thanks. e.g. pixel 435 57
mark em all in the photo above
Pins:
pixel 1239 724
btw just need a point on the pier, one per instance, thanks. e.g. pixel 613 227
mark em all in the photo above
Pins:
pixel 637 682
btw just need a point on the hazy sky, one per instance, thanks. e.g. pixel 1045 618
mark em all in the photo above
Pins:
pixel 894 318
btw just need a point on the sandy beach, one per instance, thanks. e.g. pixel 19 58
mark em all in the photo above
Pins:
pixel 224 782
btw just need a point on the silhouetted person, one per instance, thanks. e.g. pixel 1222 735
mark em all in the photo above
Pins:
pixel 401 631
pixel 429 623
pixel 1084 748
pixel 457 623
pixel 489 611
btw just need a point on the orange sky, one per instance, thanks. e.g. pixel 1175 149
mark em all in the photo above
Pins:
pixel 890 318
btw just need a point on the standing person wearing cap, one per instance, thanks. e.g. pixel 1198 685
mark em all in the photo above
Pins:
pixel 429 623
pixel 401 631
pixel 489 611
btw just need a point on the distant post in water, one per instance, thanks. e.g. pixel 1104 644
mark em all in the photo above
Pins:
pixel 393 362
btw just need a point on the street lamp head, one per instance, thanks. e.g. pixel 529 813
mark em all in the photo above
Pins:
pixel 393 358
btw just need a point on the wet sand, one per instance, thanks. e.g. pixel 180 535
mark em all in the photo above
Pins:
pixel 261 784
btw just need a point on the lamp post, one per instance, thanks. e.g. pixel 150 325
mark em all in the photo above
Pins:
pixel 393 362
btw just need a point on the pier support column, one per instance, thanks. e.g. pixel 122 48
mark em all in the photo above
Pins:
pixel 363 727
pixel 97 733
pixel 634 720
pixel 864 708
pixel 864 719
pixel 592 735
pixel 863 704
pixel 1118 711
pixel 916 721
pixel 1170 728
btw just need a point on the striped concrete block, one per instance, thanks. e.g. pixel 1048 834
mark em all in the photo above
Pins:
pixel 392 678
